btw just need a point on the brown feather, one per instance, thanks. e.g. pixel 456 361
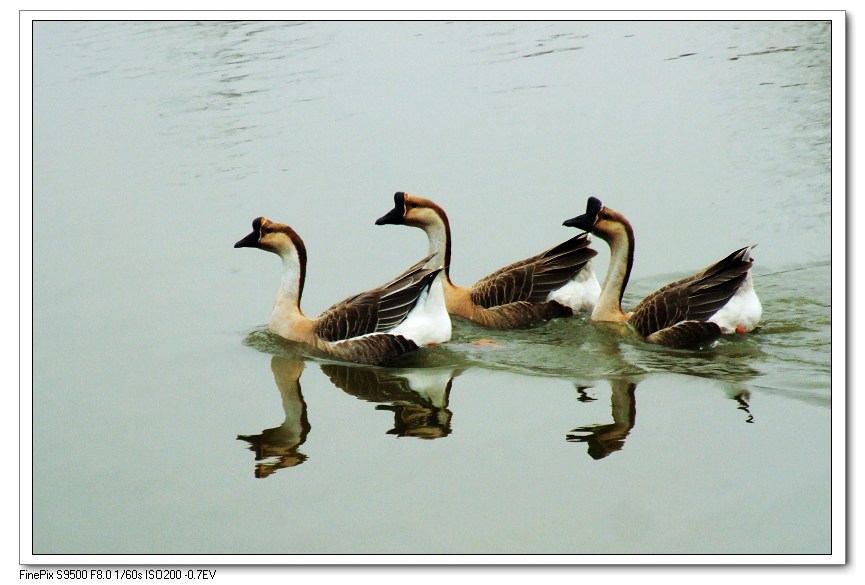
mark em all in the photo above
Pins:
pixel 372 349
pixel 531 280
pixel 519 314
pixel 695 298
pixel 686 334
pixel 378 310
pixel 514 296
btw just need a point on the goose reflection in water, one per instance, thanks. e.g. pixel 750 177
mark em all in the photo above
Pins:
pixel 280 444
pixel 743 399
pixel 604 439
pixel 608 438
pixel 418 397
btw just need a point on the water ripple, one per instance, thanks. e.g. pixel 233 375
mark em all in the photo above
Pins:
pixel 792 343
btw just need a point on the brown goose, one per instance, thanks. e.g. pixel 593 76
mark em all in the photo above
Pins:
pixel 684 314
pixel 555 283
pixel 371 327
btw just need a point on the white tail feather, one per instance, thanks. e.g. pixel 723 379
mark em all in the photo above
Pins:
pixel 742 311
pixel 428 322
pixel 581 292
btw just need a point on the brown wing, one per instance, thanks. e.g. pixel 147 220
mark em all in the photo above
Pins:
pixel 686 334
pixel 520 314
pixel 374 349
pixel 532 279
pixel 695 298
pixel 378 310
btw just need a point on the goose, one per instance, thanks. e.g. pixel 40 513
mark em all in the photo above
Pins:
pixel 556 283
pixel 687 313
pixel 373 327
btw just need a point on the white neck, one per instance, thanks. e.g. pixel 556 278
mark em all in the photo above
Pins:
pixel 286 309
pixel 609 306
pixel 438 240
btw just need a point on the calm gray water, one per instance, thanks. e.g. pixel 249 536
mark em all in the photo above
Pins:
pixel 167 420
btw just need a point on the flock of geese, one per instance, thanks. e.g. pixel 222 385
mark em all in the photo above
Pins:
pixel 413 310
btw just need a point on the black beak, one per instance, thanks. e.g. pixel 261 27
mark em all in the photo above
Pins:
pixel 251 241
pixel 586 221
pixel 395 216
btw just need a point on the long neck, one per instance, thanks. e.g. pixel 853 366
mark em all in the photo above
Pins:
pixel 286 315
pixel 439 235
pixel 621 241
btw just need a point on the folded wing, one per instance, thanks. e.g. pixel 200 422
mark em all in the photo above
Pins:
pixel 378 310
pixel 531 280
pixel 695 298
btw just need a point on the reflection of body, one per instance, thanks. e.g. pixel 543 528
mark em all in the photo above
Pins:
pixel 418 397
pixel 743 399
pixel 283 442
pixel 605 439
pixel 608 438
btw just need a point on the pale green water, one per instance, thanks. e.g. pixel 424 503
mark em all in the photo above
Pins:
pixel 156 144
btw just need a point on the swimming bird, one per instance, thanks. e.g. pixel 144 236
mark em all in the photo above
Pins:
pixel 687 313
pixel 554 283
pixel 371 327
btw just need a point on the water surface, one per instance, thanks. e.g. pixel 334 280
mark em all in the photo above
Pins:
pixel 167 420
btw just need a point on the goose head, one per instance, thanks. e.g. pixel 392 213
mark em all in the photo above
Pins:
pixel 274 237
pixel 413 211
pixel 608 224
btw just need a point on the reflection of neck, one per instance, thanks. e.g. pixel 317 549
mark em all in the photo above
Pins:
pixel 609 306
pixel 286 373
pixel 623 405
pixel 609 438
